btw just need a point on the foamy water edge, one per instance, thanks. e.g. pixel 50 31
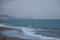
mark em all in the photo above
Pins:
pixel 29 33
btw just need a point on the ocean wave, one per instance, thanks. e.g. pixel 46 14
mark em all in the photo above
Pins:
pixel 25 33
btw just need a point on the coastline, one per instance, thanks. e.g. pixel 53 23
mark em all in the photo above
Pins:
pixel 30 36
pixel 10 38
pixel 3 37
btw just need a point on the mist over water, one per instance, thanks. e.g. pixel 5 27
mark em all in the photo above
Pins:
pixel 35 9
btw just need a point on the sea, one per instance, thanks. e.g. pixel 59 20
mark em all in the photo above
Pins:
pixel 35 29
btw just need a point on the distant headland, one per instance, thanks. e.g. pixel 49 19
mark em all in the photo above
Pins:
pixel 6 17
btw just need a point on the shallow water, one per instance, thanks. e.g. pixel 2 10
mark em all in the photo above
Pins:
pixel 25 33
pixel 49 28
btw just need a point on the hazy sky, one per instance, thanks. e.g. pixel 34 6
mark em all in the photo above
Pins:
pixel 38 9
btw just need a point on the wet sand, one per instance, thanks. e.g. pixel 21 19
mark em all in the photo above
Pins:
pixel 8 38
pixel 11 38
pixel 6 28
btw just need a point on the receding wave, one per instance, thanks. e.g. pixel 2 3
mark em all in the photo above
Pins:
pixel 26 33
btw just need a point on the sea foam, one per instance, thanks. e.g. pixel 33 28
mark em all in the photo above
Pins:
pixel 25 33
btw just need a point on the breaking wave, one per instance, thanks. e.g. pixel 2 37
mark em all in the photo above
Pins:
pixel 25 33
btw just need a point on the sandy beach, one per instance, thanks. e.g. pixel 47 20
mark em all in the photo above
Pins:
pixel 3 37
pixel 10 38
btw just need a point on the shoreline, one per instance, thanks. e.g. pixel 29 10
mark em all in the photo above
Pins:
pixel 2 28
pixel 3 37
pixel 10 38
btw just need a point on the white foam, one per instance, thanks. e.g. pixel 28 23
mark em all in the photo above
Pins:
pixel 28 33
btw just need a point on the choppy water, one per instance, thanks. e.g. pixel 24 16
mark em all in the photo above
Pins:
pixel 49 28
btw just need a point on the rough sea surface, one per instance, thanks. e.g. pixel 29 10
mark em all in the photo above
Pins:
pixel 34 29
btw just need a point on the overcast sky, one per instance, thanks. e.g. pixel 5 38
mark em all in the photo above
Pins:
pixel 37 9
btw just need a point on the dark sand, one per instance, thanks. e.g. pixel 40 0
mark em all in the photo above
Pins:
pixel 6 28
pixel 11 38
pixel 8 38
